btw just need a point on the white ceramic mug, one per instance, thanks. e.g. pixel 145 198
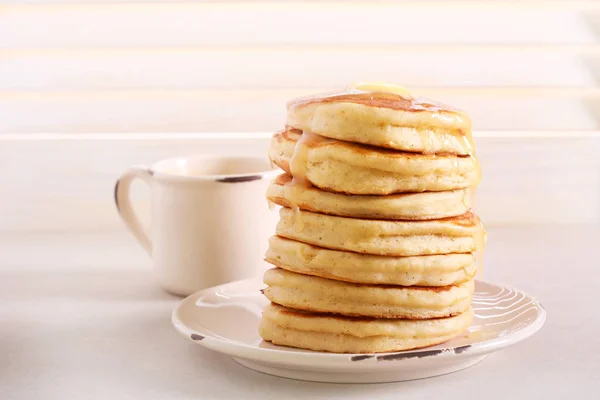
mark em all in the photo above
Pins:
pixel 210 219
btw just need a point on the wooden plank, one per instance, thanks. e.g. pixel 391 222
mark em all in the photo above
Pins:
pixel 66 184
pixel 238 110
pixel 289 23
pixel 278 67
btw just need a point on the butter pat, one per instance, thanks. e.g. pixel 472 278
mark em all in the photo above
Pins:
pixel 382 87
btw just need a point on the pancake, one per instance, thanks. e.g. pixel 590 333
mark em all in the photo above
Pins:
pixel 406 206
pixel 311 293
pixel 463 234
pixel 345 167
pixel 434 270
pixel 281 148
pixel 378 117
pixel 337 334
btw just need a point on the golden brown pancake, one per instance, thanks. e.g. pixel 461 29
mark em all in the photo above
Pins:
pixel 384 119
pixel 462 234
pixel 433 270
pixel 281 149
pixel 338 334
pixel 311 293
pixel 344 167
pixel 405 206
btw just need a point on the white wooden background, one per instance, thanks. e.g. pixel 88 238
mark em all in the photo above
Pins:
pixel 90 87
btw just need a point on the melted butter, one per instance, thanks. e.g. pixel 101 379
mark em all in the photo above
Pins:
pixel 271 205
pixel 469 143
pixel 299 160
pixel 382 87
pixel 468 198
pixel 427 139
pixel 291 190
pixel 298 168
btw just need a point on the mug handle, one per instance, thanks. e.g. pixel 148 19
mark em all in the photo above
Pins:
pixel 123 203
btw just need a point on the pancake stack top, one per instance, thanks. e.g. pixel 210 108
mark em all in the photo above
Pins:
pixel 376 245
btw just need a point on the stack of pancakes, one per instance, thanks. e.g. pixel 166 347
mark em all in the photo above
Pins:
pixel 376 246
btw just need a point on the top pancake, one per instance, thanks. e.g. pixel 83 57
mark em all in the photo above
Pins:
pixel 384 119
pixel 339 334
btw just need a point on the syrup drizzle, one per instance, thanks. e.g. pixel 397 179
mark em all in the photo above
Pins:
pixel 298 168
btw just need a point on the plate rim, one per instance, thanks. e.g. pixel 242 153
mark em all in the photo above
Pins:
pixel 258 354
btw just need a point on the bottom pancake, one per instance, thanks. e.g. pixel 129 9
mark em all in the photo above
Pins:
pixel 338 334
pixel 311 293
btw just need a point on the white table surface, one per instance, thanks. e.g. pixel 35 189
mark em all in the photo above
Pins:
pixel 80 318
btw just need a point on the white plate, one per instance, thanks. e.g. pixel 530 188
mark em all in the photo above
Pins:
pixel 225 319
